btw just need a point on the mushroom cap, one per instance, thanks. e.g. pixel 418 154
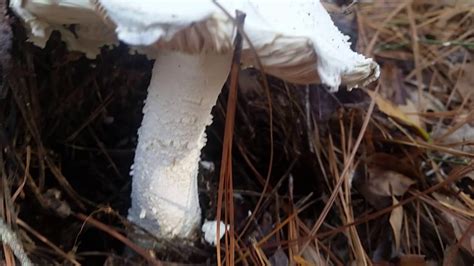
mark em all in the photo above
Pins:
pixel 42 17
pixel 295 40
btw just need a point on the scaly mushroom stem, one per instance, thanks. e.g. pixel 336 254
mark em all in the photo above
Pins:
pixel 182 91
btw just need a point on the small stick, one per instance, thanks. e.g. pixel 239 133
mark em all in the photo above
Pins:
pixel 226 163
pixel 9 238
pixel 112 232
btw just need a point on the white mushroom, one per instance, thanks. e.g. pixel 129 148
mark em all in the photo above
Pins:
pixel 42 17
pixel 192 43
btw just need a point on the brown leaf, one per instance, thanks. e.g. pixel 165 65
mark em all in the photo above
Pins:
pixel 462 3
pixel 395 112
pixel 399 163
pixel 466 81
pixel 412 260
pixel 311 255
pixel 299 260
pixel 451 257
pixel 387 183
pixel 389 108
pixel 459 225
pixel 391 84
pixel 279 258
pixel 394 90
pixel 396 221
pixel 463 134
pixel 382 263
pixel 462 73
pixel 411 111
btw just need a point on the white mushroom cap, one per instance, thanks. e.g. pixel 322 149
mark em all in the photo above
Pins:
pixel 295 40
pixel 42 17
pixel 298 42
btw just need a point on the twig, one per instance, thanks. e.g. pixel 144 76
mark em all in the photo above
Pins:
pixel 25 176
pixel 43 239
pixel 226 162
pixel 10 238
pixel 112 232
pixel 341 178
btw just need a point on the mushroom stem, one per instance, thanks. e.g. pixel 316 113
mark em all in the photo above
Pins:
pixel 182 91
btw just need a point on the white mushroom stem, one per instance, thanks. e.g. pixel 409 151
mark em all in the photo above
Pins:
pixel 182 91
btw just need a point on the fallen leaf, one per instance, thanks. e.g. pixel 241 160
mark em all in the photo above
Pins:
pixel 411 111
pixel 380 182
pixel 393 90
pixel 459 225
pixel 451 257
pixel 397 162
pixel 396 219
pixel 394 111
pixel 392 87
pixel 311 256
pixel 428 101
pixel 387 183
pixel 301 261
pixel 464 134
pixel 382 263
pixel 412 260
pixel 279 258
pixel 383 249
pixel 466 81
pixel 462 3
pixel 389 108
